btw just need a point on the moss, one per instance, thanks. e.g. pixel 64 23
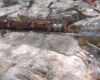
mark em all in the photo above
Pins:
pixel 10 18
pixel 17 17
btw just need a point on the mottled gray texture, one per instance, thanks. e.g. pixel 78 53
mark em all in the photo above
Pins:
pixel 28 55
pixel 60 43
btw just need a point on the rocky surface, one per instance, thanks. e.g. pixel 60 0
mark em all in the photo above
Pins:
pixel 9 10
pixel 27 55
pixel 60 43
pixel 87 13
pixel 1 4
pixel 45 9
pixel 71 11
pixel 77 26
pixel 24 56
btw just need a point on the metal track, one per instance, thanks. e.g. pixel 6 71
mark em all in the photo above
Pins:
pixel 91 29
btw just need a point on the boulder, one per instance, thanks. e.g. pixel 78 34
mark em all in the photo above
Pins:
pixel 47 10
pixel 36 56
pixel 1 4
pixel 77 26
pixel 86 10
pixel 20 73
pixel 62 6
pixel 70 17
pixel 2 75
pixel 88 13
pixel 35 12
pixel 44 10
pixel 9 10
pixel 22 1
pixel 46 41
pixel 98 6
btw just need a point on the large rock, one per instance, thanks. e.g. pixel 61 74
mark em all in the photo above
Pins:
pixel 35 12
pixel 44 10
pixel 22 60
pixel 20 73
pixel 88 13
pixel 98 6
pixel 70 17
pixel 86 10
pixel 77 26
pixel 1 4
pixel 49 9
pixel 9 10
pixel 62 6
pixel 22 1
pixel 55 42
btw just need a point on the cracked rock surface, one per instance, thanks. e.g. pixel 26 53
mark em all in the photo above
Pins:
pixel 36 56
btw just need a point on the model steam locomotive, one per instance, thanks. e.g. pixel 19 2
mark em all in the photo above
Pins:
pixel 46 26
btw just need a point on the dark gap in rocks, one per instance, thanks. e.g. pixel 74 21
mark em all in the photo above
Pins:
pixel 50 9
pixel 58 0
pixel 9 3
pixel 23 77
pixel 30 4
pixel 80 15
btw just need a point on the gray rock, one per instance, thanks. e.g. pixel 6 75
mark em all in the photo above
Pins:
pixel 98 6
pixel 86 10
pixel 2 75
pixel 61 6
pixel 35 12
pixel 34 55
pixel 22 1
pixel 77 26
pixel 44 10
pixel 69 76
pixel 71 16
pixel 20 73
pixel 9 10
pixel 1 4
pixel 47 41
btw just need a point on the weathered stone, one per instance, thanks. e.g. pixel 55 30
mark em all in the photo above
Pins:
pixel 1 4
pixel 98 6
pixel 77 26
pixel 25 56
pixel 2 74
pixel 86 10
pixel 71 17
pixel 20 73
pixel 88 13
pixel 80 24
pixel 35 12
pixel 9 10
pixel 61 6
